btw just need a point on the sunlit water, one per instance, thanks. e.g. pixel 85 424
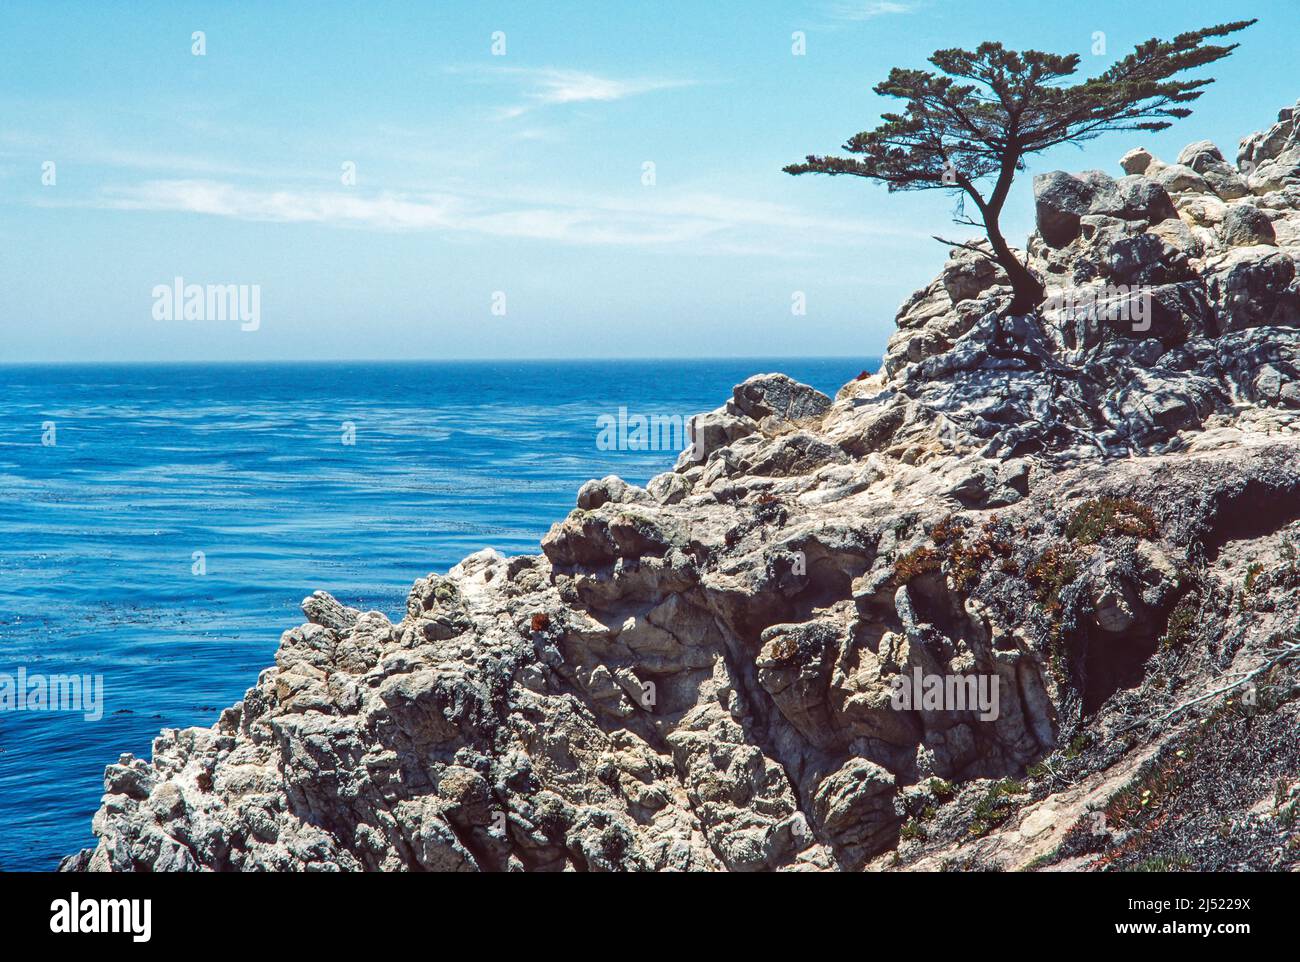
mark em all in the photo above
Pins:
pixel 246 464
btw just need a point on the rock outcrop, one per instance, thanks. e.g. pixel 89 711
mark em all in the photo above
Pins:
pixel 1090 515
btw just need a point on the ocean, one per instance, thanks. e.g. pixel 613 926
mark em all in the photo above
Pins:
pixel 159 524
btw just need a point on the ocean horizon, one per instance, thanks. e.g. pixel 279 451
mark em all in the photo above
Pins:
pixel 163 521
pixel 400 362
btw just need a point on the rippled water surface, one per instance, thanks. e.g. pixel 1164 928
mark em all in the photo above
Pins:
pixel 98 532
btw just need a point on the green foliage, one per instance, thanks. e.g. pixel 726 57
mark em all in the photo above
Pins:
pixel 1283 574
pixel 1099 518
pixel 1050 573
pixel 996 806
pixel 968 562
pixel 1176 863
pixel 446 593
pixel 1135 804
pixel 915 563
pixel 1077 746
pixel 1069 753
pixel 977 118
pixel 941 789
pixel 1181 627
pixel 912 830
pixel 965 562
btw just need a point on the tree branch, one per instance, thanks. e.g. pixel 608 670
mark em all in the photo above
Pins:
pixel 1286 653
pixel 968 247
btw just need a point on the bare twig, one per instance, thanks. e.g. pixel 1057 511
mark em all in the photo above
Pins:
pixel 969 247
pixel 1055 774
pixel 1286 653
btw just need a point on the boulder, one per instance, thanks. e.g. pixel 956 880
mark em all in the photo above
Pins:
pixel 1144 201
pixel 610 489
pixel 1146 260
pixel 968 275
pixel 1265 145
pixel 1254 286
pixel 1200 155
pixel 1223 178
pixel 1136 161
pixel 712 431
pixel 1246 226
pixel 779 397
pixel 1062 200
pixel 322 608
pixel 854 808
pixel 1177 179
pixel 1276 174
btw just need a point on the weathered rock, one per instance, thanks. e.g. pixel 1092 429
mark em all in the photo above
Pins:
pixel 1177 179
pixel 1266 145
pixel 321 608
pixel 968 275
pixel 1136 161
pixel 1246 226
pixel 1205 159
pixel 1254 286
pixel 610 490
pixel 766 396
pixel 1062 200
pixel 712 431
pixel 855 807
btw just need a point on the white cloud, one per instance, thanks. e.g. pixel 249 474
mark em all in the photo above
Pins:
pixel 573 86
pixel 150 160
pixel 869 9
pixel 721 224
pixel 542 87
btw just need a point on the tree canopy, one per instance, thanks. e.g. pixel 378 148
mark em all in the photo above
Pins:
pixel 969 127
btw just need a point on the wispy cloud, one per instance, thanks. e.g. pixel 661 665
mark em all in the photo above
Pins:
pixel 721 223
pixel 151 160
pixel 546 86
pixel 573 86
pixel 869 9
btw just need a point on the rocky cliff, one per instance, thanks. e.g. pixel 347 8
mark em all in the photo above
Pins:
pixel 759 660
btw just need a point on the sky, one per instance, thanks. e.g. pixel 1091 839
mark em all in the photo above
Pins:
pixel 508 180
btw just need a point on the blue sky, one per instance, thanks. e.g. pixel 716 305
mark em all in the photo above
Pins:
pixel 521 173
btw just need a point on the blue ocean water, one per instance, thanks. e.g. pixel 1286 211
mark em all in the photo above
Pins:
pixel 247 464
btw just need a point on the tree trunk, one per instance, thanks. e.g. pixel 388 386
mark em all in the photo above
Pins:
pixel 1027 291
